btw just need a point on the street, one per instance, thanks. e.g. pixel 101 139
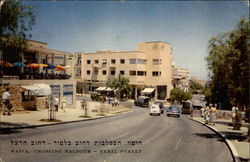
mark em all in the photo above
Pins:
pixel 133 136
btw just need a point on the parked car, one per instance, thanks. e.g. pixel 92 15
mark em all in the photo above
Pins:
pixel 161 105
pixel 142 101
pixel 174 110
pixel 154 109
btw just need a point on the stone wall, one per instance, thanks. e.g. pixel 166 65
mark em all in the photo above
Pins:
pixel 41 103
pixel 16 99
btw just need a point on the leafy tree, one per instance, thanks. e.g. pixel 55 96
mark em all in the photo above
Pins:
pixel 195 87
pixel 177 94
pixel 228 64
pixel 16 20
pixel 122 84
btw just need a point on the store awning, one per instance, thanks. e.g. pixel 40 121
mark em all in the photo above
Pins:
pixel 100 88
pixel 148 90
pixel 39 89
pixel 108 89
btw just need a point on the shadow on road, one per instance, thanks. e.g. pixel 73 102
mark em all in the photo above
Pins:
pixel 210 135
pixel 9 128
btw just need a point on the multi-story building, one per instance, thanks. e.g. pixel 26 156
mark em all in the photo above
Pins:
pixel 201 82
pixel 181 79
pixel 62 82
pixel 149 67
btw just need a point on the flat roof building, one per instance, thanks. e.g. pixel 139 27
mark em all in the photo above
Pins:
pixel 149 66
pixel 62 82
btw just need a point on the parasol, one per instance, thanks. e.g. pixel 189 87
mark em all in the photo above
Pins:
pixel 59 67
pixel 51 67
pixel 19 64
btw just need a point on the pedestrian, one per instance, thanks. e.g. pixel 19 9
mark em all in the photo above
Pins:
pixel 63 104
pixel 234 109
pixel 56 103
pixel 202 111
pixel 206 114
pixel 6 101
pixel 213 114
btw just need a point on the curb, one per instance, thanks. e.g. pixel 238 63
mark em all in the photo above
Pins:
pixel 66 122
pixel 230 145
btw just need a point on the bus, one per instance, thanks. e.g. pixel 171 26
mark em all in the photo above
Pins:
pixel 186 107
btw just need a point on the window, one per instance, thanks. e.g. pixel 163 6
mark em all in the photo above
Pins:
pixel 104 72
pixel 96 61
pixel 112 72
pixel 113 61
pixel 104 62
pixel 137 61
pixel 132 73
pixel 156 73
pixel 122 61
pixel 142 61
pixel 156 62
pixel 141 73
pixel 27 96
pixel 132 61
pixel 88 72
pixel 122 72
pixel 96 72
pixel 88 61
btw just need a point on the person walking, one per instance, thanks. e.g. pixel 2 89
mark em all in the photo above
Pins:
pixel 206 114
pixel 213 115
pixel 234 109
pixel 56 103
pixel 6 101
pixel 63 104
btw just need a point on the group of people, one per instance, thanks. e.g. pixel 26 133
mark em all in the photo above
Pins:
pixel 209 113
pixel 56 103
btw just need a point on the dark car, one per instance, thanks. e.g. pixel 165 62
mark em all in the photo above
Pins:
pixel 161 105
pixel 142 101
pixel 173 110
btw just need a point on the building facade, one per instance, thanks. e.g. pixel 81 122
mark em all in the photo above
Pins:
pixel 148 67
pixel 181 79
pixel 62 82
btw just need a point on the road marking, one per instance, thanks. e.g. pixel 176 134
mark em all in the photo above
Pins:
pixel 178 143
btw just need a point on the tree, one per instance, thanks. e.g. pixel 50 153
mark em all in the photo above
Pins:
pixel 195 87
pixel 228 64
pixel 122 84
pixel 177 94
pixel 16 20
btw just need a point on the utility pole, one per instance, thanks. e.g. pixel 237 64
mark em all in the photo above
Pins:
pixel 119 90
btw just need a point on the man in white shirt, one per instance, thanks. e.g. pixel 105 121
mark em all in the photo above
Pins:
pixel 56 103
pixel 6 101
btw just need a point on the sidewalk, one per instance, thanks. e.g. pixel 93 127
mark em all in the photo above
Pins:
pixel 234 138
pixel 26 119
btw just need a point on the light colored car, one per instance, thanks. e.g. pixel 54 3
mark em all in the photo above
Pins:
pixel 173 110
pixel 154 109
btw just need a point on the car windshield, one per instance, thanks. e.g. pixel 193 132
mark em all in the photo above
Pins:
pixel 173 108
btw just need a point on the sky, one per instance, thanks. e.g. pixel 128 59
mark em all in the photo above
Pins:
pixel 89 26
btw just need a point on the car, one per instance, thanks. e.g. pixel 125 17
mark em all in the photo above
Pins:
pixel 173 110
pixel 142 101
pixel 161 104
pixel 154 109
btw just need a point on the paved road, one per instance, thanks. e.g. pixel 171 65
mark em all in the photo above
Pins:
pixel 138 137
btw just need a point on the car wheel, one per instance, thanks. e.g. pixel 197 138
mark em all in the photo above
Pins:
pixel 150 114
pixel 178 116
pixel 167 114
